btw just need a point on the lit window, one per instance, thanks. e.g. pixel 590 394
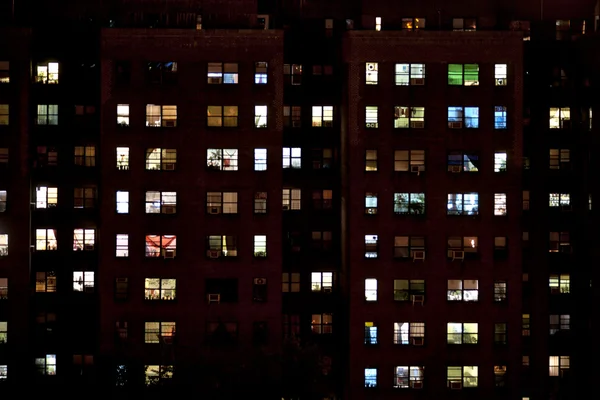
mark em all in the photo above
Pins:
pixel 371 203
pixel 463 74
pixel 222 73
pixel 405 117
pixel 462 333
pixel 46 365
pixel 466 244
pixel 84 239
pixel 371 160
pixel 4 114
pixel 559 323
pixel 560 242
pixel 291 199
pixel 322 324
pixel 83 281
pixel 3 333
pixel 222 159
pixel 3 199
pixel 409 203
pixel 158 374
pixel 222 116
pixel 161 116
pixel 4 72
pixel 409 24
pixel 409 333
pixel 45 239
pixel 123 115
pixel 408 377
pixel 560 118
pixel 3 288
pixel 292 157
pixel 160 289
pixel 221 246
pixel 371 373
pixel 260 73
pixel 45 282
pixel 463 290
pixel 459 377
pixel 47 73
pixel 558 365
pixel 46 197
pixel 560 284
pixel 370 333
pixel 370 289
pixel 500 291
pixel 85 156
pixel 47 114
pixel 260 202
pixel 161 159
pixel 371 73
pixel 322 116
pixel 159 332
pixel 500 117
pixel 161 202
pixel 501 74
pixel 321 281
pixel 500 162
pixel 559 199
pixel 260 159
pixel 464 24
pixel 499 204
pixel 221 202
pixel 560 159
pixel 371 116
pixel 260 246
pixel 122 248
pixel 371 246
pixel 260 116
pixel 409 160
pixel 161 245
pixel 122 202
pixel 3 244
pixel 410 74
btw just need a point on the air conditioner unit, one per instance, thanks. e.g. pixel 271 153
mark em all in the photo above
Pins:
pixel 214 298
pixel 416 168
pixel 169 209
pixel 371 67
pixel 418 298
pixel 417 124
pixel 500 82
pixel 169 123
pixel 455 125
pixel 418 341
pixel 214 210
pixel 454 168
pixel 260 281
pixel 286 207
pixel 458 255
pixel 456 385
pixel 167 253
pixel 417 81
pixel 371 125
pixel 327 289
pixel 419 255
pixel 416 384
pixel 213 253
pixel 169 166
pixel 88 247
pixel 215 80
pixel 296 124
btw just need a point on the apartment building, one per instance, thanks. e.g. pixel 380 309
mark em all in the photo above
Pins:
pixel 417 181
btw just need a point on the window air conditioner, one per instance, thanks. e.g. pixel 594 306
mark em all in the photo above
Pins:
pixel 214 80
pixel 418 298
pixel 168 253
pixel 214 210
pixel 457 385
pixel 417 168
pixel 500 82
pixel 455 168
pixel 169 166
pixel 419 255
pixel 418 341
pixel 458 255
pixel 213 253
pixel 455 125
pixel 416 384
pixel 417 124
pixel 417 81
pixel 214 298
pixel 170 123
pixel 327 289
pixel 371 125
pixel 169 209
pixel 295 124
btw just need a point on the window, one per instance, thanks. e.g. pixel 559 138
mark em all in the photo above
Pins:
pixel 84 197
pixel 162 72
pixel 321 281
pixel 221 246
pixel 410 74
pixel 84 239
pixel 260 202
pixel 371 117
pixel 291 326
pixel 47 114
pixel 161 159
pixel 370 203
pixel 560 118
pixel 412 333
pixel 4 157
pixel 409 160
pixel 322 324
pixel 463 333
pixel 4 72
pixel 500 162
pixel 377 28
pixel 409 203
pixel 322 158
pixel 260 73
pixel 292 157
pixel 371 160
pixel 122 248
pixel 123 115
pixel 458 115
pixel 560 284
pixel 83 281
pixel 463 290
pixel 159 332
pixel 371 73
pixel 560 159
pixel 222 159
pixel 45 282
pixel 406 246
pixel 4 114
pixel 85 156
pixel 409 24
pixel 260 246
pixel 46 197
pixel 409 290
pixel 260 159
pixel 371 246
pixel 560 242
pixel 291 199
pixel 459 377
pixel 464 24
pixel 161 116
pixel 45 239
pixel 371 373
pixel 46 365
pixel 558 365
pixel 501 74
pixel 408 377
pixel 500 117
pixel 322 116
pixel 559 200
pixel 292 74
pixel 463 74
pixel 405 117
pixel 260 116
pixel 3 199
pixel 459 161
pixel 370 333
pixel 222 116
pixel 222 202
pixel 499 204
pixel 525 325
pixel 161 202
pixel 321 241
pixel 3 333
pixel 122 158
pixel 158 374
pixel 160 289
pixel 290 282
pixel 222 73
pixel 161 245
pixel 558 323
pixel 47 73
pixel 292 116
pixel 463 204
pixel 3 288
pixel 322 199
pixel 500 291
pixel 370 289
pixel 500 334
